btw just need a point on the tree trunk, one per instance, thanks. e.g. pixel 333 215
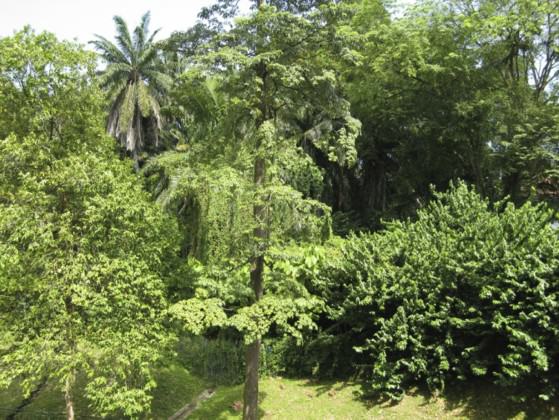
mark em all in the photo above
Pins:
pixel 252 355
pixel 512 187
pixel 69 400
pixel 250 406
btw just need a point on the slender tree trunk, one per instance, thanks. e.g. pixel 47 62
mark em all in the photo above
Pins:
pixel 69 400
pixel 252 355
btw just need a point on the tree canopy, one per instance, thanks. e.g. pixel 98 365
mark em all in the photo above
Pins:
pixel 282 177
pixel 136 84
pixel 83 252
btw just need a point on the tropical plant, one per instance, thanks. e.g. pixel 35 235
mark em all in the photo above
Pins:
pixel 275 69
pixel 82 249
pixel 135 82
pixel 468 290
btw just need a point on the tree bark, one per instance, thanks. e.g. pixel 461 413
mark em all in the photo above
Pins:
pixel 252 355
pixel 250 406
pixel 69 400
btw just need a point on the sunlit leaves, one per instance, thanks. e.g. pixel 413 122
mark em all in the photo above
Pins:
pixel 83 250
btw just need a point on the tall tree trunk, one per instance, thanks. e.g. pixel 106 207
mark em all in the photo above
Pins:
pixel 250 406
pixel 252 355
pixel 68 398
pixel 512 187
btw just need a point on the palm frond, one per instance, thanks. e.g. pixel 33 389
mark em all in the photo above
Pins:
pixel 133 77
pixel 138 131
pixel 126 111
pixel 162 82
pixel 130 138
pixel 114 74
pixel 147 56
pixel 114 113
pixel 141 32
pixel 156 110
pixel 152 37
pixel 144 99
pixel 123 39
pixel 108 51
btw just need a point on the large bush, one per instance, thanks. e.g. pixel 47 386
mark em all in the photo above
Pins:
pixel 469 289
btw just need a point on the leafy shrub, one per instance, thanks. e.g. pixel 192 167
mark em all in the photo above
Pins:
pixel 469 289
pixel 281 356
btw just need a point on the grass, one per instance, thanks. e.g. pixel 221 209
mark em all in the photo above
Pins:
pixel 303 399
pixel 176 388
pixel 283 398
pixel 9 400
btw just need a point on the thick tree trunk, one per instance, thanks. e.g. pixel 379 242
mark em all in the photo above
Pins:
pixel 512 187
pixel 69 400
pixel 250 406
pixel 373 187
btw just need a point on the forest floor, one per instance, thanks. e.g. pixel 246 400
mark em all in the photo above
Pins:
pixel 283 398
pixel 299 399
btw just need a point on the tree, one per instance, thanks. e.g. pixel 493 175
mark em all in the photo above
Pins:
pixel 273 68
pixel 450 90
pixel 82 250
pixel 516 42
pixel 136 83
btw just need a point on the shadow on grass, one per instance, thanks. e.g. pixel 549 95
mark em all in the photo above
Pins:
pixel 10 399
pixel 478 400
pixel 475 399
pixel 176 387
pixel 330 386
pixel 481 400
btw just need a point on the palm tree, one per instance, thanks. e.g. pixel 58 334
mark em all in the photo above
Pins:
pixel 135 83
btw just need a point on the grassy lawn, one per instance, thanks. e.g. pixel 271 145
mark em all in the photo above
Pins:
pixel 176 388
pixel 301 399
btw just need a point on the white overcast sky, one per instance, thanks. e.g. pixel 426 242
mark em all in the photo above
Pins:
pixel 81 19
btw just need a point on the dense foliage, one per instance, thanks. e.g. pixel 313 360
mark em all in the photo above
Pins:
pixel 83 252
pixel 288 198
pixel 469 289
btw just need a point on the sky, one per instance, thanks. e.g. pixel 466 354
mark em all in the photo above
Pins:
pixel 81 19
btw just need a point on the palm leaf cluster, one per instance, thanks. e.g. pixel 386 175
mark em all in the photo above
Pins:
pixel 136 84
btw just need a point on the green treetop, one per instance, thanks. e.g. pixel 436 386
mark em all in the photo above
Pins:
pixel 82 250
